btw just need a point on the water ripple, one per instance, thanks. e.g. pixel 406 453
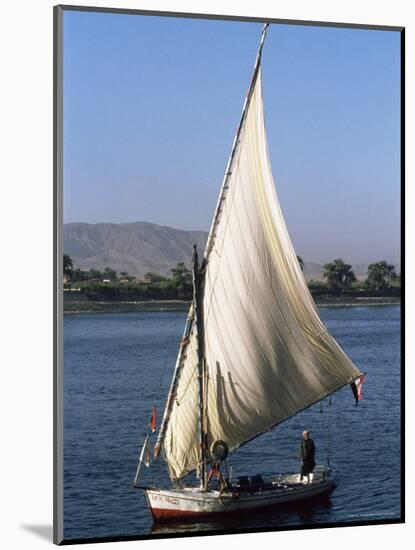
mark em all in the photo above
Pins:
pixel 113 365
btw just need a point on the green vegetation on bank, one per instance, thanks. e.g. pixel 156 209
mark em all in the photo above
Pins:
pixel 107 285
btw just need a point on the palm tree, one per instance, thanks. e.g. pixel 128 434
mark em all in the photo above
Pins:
pixel 338 274
pixel 332 274
pixel 68 264
pixel 379 275
pixel 181 274
pixel 390 273
pixel 348 277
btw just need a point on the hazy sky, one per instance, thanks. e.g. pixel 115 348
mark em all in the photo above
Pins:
pixel 151 105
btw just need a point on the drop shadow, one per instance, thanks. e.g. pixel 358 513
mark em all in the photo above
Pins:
pixel 45 532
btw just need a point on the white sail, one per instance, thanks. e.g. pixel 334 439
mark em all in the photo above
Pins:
pixel 268 354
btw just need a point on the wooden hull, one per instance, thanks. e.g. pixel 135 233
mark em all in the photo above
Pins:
pixel 171 504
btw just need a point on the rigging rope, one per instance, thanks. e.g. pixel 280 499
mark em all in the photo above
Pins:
pixel 163 370
pixel 166 359
pixel 329 433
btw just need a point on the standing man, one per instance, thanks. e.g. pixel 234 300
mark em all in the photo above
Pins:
pixel 307 456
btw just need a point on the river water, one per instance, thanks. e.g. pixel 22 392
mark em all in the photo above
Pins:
pixel 117 365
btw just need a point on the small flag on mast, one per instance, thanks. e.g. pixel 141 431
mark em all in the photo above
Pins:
pixel 153 420
pixel 357 385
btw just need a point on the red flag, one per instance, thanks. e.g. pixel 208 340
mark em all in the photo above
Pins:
pixel 359 385
pixel 153 420
pixel 356 386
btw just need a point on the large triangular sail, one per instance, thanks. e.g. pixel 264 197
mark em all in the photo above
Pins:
pixel 267 353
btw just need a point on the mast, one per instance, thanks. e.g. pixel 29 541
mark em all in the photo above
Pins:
pixel 198 309
pixel 228 171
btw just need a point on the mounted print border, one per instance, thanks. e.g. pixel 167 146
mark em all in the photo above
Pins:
pixel 337 373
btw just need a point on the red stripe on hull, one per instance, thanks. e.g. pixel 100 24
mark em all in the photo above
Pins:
pixel 163 513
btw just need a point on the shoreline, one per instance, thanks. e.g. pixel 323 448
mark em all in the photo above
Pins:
pixel 89 306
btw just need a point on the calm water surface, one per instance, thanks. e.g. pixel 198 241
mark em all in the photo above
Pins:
pixel 118 365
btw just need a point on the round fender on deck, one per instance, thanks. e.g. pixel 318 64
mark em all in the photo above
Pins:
pixel 219 450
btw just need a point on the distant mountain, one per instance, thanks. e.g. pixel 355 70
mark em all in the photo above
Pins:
pixel 142 247
pixel 133 247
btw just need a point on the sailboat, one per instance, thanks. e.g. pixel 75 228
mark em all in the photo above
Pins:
pixel 254 351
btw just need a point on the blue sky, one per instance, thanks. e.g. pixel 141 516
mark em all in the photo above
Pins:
pixel 151 105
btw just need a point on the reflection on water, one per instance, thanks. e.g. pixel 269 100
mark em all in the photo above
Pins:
pixel 307 512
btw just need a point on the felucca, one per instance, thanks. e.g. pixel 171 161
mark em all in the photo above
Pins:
pixel 254 351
